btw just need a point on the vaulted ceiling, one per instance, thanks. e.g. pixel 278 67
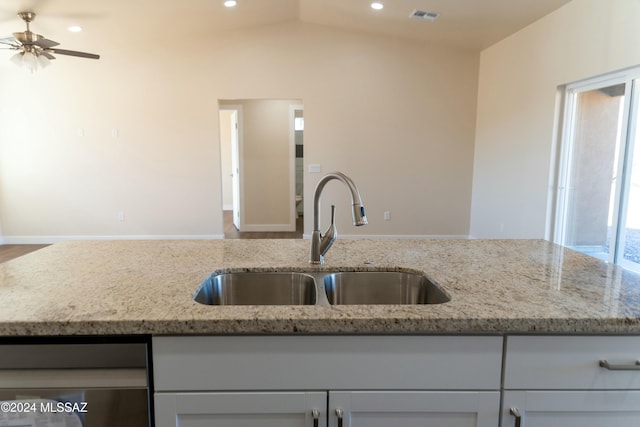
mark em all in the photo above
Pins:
pixel 472 24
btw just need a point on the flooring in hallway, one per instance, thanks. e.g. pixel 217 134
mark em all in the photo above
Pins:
pixel 9 252
pixel 231 232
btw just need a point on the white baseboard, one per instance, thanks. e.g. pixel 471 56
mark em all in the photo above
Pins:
pixel 43 240
pixel 275 228
pixel 400 236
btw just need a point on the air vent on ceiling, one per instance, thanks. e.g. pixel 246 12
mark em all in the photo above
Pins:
pixel 424 15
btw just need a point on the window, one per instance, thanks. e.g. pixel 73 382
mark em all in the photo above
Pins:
pixel 598 191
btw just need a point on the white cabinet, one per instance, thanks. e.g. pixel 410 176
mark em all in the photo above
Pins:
pixel 351 381
pixel 251 409
pixel 413 408
pixel 546 408
pixel 561 380
pixel 358 362
pixel 346 409
pixel 400 381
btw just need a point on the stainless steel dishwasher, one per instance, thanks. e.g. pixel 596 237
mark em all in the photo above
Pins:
pixel 100 384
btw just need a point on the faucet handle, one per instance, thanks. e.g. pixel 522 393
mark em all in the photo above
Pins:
pixel 331 234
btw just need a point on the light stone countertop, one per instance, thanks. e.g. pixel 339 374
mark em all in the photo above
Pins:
pixel 146 287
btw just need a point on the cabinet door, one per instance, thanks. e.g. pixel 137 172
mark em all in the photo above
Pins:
pixel 266 409
pixel 414 409
pixel 571 408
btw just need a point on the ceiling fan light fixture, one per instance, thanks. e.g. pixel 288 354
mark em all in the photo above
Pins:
pixel 43 61
pixel 30 62
pixel 17 59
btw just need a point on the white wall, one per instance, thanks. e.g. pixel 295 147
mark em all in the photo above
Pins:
pixel 398 117
pixel 517 107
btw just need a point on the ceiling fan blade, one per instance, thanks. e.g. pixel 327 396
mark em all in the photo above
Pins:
pixel 45 43
pixel 74 53
pixel 47 55
pixel 11 41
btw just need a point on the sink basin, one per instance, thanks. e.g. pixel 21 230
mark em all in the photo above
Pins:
pixel 270 288
pixel 381 287
pixel 319 288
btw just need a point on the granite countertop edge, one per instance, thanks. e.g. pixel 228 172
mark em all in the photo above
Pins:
pixel 318 327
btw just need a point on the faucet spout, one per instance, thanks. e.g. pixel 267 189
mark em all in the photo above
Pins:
pixel 321 244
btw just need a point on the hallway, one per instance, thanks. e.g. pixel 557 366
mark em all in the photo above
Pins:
pixel 230 231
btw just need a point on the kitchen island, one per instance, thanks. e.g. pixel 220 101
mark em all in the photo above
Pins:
pixel 146 287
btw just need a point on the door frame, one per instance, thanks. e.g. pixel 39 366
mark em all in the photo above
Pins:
pixel 292 163
pixel 564 165
pixel 237 183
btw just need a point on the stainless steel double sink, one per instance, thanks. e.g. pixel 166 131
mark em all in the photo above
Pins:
pixel 319 288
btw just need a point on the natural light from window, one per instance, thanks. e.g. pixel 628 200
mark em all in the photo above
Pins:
pixel 598 206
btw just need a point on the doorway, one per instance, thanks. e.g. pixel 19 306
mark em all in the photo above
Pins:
pixel 261 145
pixel 598 207
pixel 230 167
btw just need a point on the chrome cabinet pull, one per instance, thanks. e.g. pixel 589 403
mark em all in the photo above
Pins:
pixel 608 366
pixel 339 415
pixel 316 415
pixel 516 414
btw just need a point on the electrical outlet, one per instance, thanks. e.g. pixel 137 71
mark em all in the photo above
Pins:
pixel 121 216
pixel 387 215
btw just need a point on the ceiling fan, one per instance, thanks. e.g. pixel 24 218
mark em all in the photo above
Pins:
pixel 34 50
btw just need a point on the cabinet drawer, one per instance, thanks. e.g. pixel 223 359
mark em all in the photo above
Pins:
pixel 327 362
pixel 571 362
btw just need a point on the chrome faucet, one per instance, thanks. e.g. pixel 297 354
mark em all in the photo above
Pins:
pixel 320 244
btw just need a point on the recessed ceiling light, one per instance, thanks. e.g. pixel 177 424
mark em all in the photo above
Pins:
pixel 230 3
pixel 75 28
pixel 377 5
